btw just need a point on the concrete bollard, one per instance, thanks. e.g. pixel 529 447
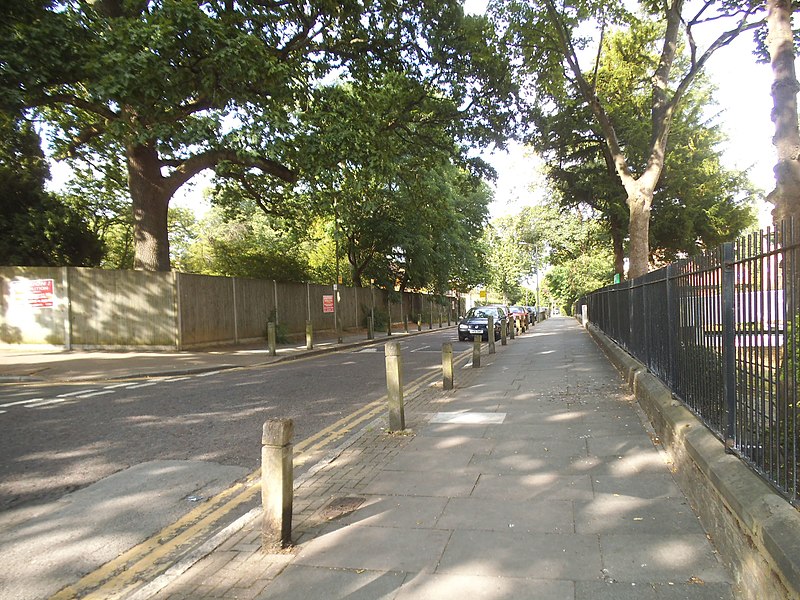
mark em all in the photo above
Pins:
pixel 513 327
pixel 394 386
pixel 476 351
pixel 503 332
pixel 419 322
pixel 277 482
pixel 490 334
pixel 440 318
pixel 272 339
pixel 370 328
pixel 405 323
pixel 309 335
pixel 447 366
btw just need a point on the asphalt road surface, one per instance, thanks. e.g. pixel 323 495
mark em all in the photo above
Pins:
pixel 55 439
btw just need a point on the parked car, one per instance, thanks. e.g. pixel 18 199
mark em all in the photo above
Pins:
pixel 476 322
pixel 517 312
pixel 531 313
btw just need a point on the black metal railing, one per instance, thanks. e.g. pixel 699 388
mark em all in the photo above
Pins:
pixel 720 330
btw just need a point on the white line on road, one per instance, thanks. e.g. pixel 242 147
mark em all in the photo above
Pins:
pixel 173 379
pixel 115 386
pixel 209 373
pixel 18 402
pixel 93 394
pixel 78 393
pixel 140 385
pixel 47 402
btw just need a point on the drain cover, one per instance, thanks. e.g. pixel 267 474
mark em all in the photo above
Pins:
pixel 341 506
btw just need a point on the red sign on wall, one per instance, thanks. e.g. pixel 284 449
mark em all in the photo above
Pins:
pixel 327 304
pixel 37 293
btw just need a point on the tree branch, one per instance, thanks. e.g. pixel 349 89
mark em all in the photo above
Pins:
pixel 190 167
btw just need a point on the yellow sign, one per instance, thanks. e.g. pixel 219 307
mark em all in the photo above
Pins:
pixel 483 293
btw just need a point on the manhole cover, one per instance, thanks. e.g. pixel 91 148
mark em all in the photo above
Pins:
pixel 341 506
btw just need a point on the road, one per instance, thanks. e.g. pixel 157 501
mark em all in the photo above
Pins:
pixel 55 439
pixel 157 466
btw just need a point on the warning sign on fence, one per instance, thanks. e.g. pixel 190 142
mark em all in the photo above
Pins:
pixel 327 304
pixel 37 293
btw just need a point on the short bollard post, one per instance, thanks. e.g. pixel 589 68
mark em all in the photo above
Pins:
pixel 370 328
pixel 440 318
pixel 394 386
pixel 490 334
pixel 405 323
pixel 513 326
pixel 277 482
pixel 309 335
pixel 419 322
pixel 272 339
pixel 476 351
pixel 503 332
pixel 447 366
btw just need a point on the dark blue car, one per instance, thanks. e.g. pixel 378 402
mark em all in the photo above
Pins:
pixel 476 322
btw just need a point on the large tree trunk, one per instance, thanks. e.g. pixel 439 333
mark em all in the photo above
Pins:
pixel 150 204
pixel 639 204
pixel 786 195
pixel 618 245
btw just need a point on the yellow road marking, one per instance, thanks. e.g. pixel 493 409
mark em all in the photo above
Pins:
pixel 116 576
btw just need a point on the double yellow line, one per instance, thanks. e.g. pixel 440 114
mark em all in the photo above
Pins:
pixel 146 560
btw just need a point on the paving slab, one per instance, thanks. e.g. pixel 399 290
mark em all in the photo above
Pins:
pixel 376 548
pixel 436 587
pixel 300 582
pixel 520 554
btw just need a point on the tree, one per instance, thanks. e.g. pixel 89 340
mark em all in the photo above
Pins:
pixel 247 245
pixel 548 40
pixel 184 86
pixel 697 203
pixel 381 159
pixel 780 45
pixel 36 229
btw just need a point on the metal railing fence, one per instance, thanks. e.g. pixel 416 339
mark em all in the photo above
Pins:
pixel 720 330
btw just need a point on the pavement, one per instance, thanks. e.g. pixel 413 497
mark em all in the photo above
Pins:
pixel 20 365
pixel 536 477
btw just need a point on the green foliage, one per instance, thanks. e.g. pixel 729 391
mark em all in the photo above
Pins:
pixel 36 228
pixel 178 87
pixel 250 247
pixel 698 202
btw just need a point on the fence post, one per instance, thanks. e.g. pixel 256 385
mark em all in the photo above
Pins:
pixel 729 342
pixel 370 328
pixel 276 483
pixel 447 366
pixel 394 386
pixel 271 339
pixel 389 320
pixel 490 333
pixel 476 351
pixel 405 323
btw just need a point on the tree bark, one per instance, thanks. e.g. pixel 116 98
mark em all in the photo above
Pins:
pixel 786 195
pixel 150 204
pixel 618 245
pixel 639 204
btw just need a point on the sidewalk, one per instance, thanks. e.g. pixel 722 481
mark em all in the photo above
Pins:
pixel 21 365
pixel 535 478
